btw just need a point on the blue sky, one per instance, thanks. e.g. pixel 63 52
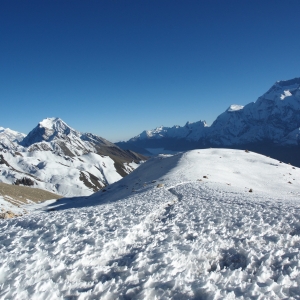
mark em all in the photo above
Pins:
pixel 115 68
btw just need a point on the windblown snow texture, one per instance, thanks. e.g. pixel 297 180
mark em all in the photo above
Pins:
pixel 206 224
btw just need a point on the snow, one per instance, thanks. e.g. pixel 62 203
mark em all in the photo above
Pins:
pixel 10 137
pixel 156 151
pixel 285 94
pixel 59 174
pixel 272 118
pixel 165 232
pixel 191 131
pixel 7 206
pixel 235 107
pixel 49 122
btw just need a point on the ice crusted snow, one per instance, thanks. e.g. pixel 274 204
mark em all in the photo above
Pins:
pixel 178 227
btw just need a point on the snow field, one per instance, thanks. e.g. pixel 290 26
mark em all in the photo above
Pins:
pixel 186 239
pixel 60 174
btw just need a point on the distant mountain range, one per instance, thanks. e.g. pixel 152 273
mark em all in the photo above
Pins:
pixel 269 126
pixel 57 158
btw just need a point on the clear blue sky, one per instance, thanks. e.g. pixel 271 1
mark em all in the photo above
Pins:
pixel 115 68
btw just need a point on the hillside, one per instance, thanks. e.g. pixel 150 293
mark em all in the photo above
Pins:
pixel 57 158
pixel 15 200
pixel 205 224
pixel 269 126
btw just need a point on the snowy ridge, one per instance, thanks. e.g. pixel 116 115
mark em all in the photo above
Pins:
pixel 188 131
pixel 77 176
pixel 274 117
pixel 59 159
pixel 165 231
pixel 10 139
pixel 54 134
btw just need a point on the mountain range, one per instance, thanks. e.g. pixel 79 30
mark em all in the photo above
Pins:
pixel 56 157
pixel 202 224
pixel 268 126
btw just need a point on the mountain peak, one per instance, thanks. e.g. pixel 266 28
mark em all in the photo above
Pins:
pixel 282 89
pixel 47 130
pixel 10 138
pixel 290 82
pixel 49 122
pixel 55 124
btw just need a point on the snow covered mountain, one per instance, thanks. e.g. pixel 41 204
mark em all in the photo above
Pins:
pixel 205 224
pixel 57 158
pixel 189 131
pixel 273 119
pixel 10 139
pixel 55 135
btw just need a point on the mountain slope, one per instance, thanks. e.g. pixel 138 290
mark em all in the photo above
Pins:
pixel 9 139
pixel 272 121
pixel 161 232
pixel 273 117
pixel 57 158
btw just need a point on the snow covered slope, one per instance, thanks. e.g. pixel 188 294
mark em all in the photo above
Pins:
pixel 206 224
pixel 13 199
pixel 274 119
pixel 190 131
pixel 55 135
pixel 9 139
pixel 59 159
pixel 64 175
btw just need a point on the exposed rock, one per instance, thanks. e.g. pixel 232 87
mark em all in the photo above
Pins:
pixel 7 215
pixel 24 181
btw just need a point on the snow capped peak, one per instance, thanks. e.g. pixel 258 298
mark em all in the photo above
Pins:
pixel 51 129
pixel 50 122
pixel 290 82
pixel 283 89
pixel 234 107
pixel 176 131
pixel 56 124
pixel 10 136
pixel 273 117
pixel 10 131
